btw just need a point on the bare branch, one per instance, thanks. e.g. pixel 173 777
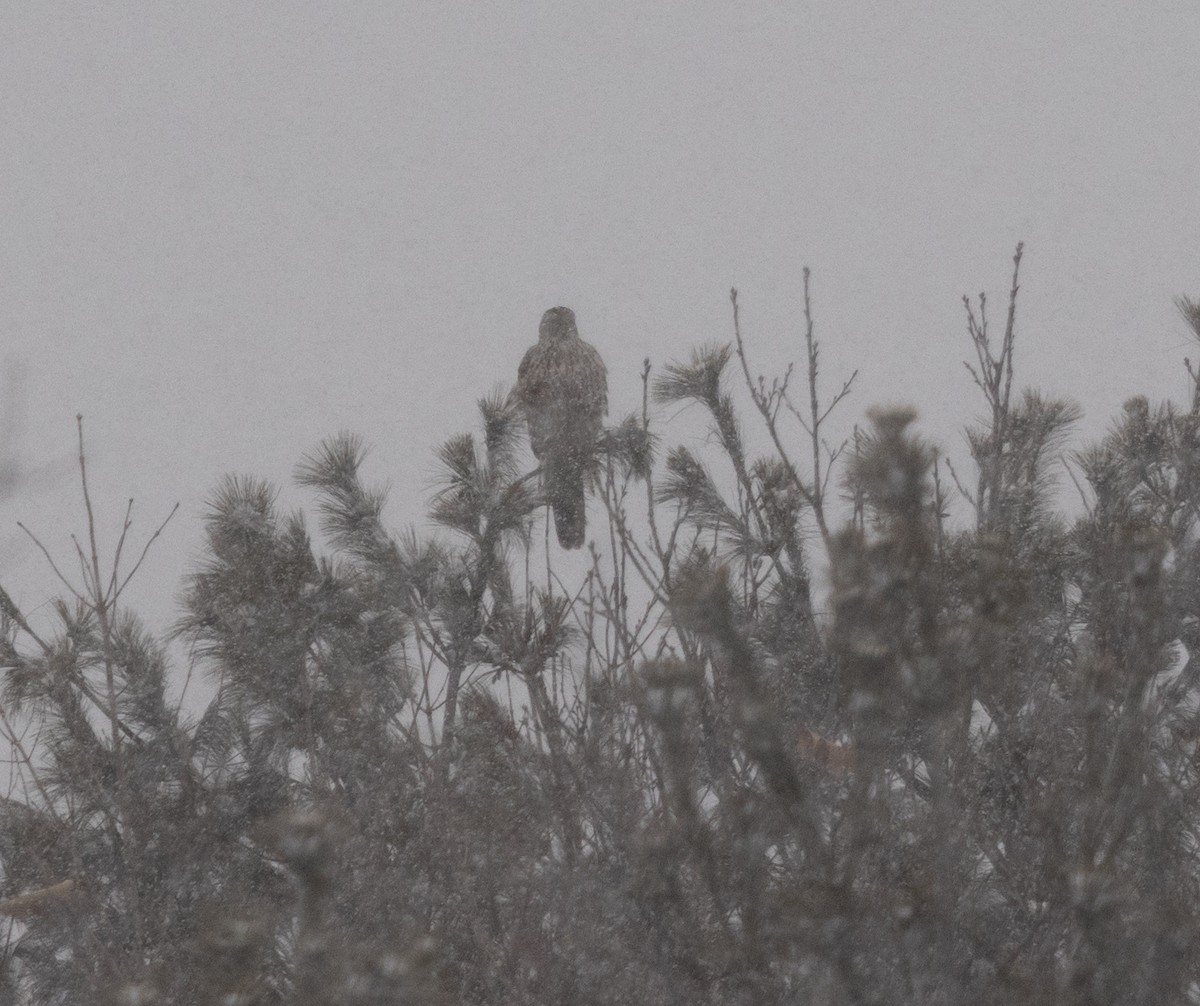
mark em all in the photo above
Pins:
pixel 57 572
pixel 126 524
pixel 141 558
pixel 961 488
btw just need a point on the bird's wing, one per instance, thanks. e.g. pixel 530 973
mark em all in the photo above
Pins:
pixel 535 392
pixel 528 381
pixel 594 378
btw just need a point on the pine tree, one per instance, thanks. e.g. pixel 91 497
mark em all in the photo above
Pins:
pixel 436 768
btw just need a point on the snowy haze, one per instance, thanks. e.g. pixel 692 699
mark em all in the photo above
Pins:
pixel 230 230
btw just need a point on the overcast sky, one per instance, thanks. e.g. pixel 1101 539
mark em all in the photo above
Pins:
pixel 228 230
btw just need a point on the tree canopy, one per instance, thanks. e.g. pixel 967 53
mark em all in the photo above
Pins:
pixel 447 766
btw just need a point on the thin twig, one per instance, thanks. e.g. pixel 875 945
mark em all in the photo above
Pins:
pixel 126 524
pixel 1078 488
pixel 50 559
pixel 763 407
pixel 15 741
pixel 961 488
pixel 141 558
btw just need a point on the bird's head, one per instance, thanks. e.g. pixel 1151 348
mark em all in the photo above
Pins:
pixel 557 323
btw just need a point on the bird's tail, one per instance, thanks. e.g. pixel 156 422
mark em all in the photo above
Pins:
pixel 564 493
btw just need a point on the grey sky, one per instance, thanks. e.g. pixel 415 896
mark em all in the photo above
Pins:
pixel 228 230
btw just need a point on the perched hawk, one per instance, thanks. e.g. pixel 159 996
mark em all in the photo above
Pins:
pixel 563 388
